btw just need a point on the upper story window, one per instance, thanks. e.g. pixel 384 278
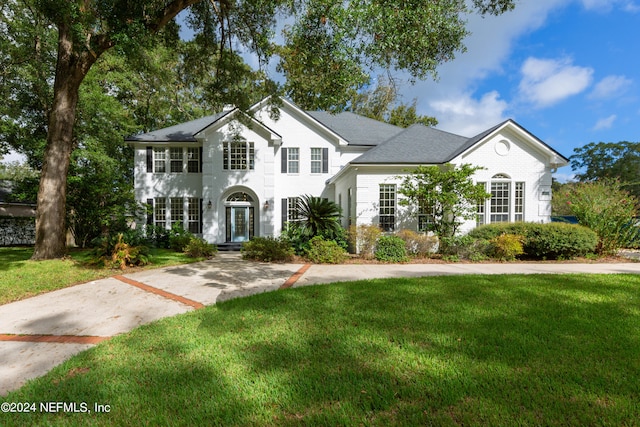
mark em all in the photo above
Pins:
pixel 319 160
pixel 176 156
pixel 290 160
pixel 238 155
pixel 157 158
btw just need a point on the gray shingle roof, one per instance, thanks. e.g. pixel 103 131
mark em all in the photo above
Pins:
pixel 183 132
pixel 418 144
pixel 356 129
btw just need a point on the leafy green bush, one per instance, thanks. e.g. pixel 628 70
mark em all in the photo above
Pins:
pixel 465 247
pixel 560 240
pixel 199 248
pixel 391 249
pixel 323 251
pixel 179 238
pixel 418 244
pixel 267 249
pixel 507 247
pixel 115 252
pixel 543 241
pixel 607 209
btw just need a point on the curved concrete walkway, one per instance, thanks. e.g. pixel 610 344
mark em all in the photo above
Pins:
pixel 39 333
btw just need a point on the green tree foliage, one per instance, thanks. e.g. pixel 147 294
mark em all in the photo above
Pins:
pixel 318 216
pixel 445 192
pixel 350 38
pixel 609 160
pixel 607 209
pixel 381 104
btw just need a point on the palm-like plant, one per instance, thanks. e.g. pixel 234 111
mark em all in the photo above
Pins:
pixel 318 216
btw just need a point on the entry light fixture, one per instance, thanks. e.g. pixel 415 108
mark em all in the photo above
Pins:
pixel 266 205
pixel 209 205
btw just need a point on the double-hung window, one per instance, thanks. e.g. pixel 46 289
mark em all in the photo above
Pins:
pixel 176 159
pixel 387 210
pixel 425 216
pixel 238 155
pixel 193 215
pixel 193 160
pixel 159 160
pixel 319 160
pixel 480 212
pixel 177 210
pixel 518 208
pixel 159 212
pixel 293 160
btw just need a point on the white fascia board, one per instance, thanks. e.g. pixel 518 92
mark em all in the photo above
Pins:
pixel 555 159
pixel 269 134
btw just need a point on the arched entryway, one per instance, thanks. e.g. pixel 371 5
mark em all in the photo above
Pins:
pixel 240 214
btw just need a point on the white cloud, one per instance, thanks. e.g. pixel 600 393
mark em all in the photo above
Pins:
pixel 604 6
pixel 548 81
pixel 611 86
pixel 605 123
pixel 464 115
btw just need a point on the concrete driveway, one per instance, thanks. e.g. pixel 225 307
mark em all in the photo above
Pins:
pixel 39 333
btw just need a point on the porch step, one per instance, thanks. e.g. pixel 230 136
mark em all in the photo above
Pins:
pixel 229 246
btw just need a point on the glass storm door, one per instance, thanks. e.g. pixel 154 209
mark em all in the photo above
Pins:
pixel 239 223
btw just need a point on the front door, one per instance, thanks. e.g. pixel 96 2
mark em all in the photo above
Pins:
pixel 239 223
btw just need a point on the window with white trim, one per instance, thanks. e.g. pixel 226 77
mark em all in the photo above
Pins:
pixel 292 208
pixel 518 208
pixel 238 155
pixel 159 160
pixel 176 158
pixel 387 210
pixel 500 199
pixel 293 160
pixel 425 216
pixel 193 159
pixel 480 212
pixel 177 210
pixel 316 160
pixel 193 215
pixel 160 212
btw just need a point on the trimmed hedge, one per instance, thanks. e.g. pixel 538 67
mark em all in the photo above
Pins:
pixel 267 249
pixel 544 241
pixel 323 251
pixel 391 249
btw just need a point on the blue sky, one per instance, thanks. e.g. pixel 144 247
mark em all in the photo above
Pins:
pixel 566 70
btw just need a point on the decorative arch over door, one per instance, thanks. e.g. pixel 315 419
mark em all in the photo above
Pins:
pixel 239 217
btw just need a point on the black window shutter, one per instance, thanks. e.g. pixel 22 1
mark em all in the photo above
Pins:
pixel 284 160
pixel 200 167
pixel 284 213
pixel 325 160
pixel 150 212
pixel 149 159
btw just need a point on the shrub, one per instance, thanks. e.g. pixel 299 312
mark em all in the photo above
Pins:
pixel 507 247
pixel 418 244
pixel 466 247
pixel 179 238
pixel 607 209
pixel 390 249
pixel 323 251
pixel 544 241
pixel 199 248
pixel 363 238
pixel 560 240
pixel 267 249
pixel 115 252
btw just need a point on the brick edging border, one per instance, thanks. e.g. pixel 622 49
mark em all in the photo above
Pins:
pixel 62 339
pixel 160 292
pixel 295 277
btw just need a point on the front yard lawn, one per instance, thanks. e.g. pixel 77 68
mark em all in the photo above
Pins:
pixel 450 350
pixel 21 278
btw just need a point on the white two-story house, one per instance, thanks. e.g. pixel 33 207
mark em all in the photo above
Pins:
pixel 229 177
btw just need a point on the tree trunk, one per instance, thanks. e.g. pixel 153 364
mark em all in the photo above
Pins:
pixel 71 69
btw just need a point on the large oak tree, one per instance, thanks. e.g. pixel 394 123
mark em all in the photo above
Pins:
pixel 327 52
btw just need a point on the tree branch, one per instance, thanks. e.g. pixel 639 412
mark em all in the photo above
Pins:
pixel 168 13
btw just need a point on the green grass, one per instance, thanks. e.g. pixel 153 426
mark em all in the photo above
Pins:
pixel 21 278
pixel 457 350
